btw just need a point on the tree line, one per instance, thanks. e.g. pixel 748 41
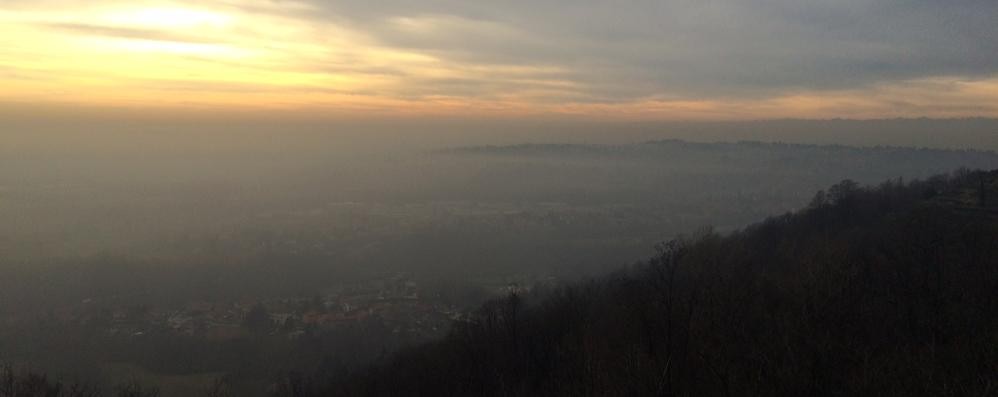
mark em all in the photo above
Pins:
pixel 886 290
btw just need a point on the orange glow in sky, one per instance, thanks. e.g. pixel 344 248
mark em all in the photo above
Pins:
pixel 273 55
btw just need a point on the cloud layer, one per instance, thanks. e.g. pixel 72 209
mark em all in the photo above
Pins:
pixel 676 59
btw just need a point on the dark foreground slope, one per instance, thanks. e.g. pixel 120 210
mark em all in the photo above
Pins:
pixel 891 290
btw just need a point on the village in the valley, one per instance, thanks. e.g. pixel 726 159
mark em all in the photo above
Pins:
pixel 396 303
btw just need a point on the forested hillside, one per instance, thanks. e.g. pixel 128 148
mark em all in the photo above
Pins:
pixel 889 290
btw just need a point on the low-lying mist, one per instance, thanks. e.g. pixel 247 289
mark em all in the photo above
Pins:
pixel 265 208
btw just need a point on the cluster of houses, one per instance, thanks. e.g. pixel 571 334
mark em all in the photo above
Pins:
pixel 393 301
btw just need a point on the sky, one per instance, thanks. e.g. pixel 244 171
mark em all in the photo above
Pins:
pixel 640 59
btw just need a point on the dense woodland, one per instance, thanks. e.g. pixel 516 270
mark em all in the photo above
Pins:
pixel 887 291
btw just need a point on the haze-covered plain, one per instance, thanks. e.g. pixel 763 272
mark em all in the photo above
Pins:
pixel 177 252
pixel 267 206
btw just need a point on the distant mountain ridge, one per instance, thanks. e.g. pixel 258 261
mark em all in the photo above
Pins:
pixel 679 144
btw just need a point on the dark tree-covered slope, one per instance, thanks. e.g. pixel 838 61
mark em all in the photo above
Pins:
pixel 889 291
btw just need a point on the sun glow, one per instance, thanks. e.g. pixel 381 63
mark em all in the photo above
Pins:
pixel 167 18
pixel 204 54
pixel 170 31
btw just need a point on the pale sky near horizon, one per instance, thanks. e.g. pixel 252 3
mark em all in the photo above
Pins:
pixel 687 59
